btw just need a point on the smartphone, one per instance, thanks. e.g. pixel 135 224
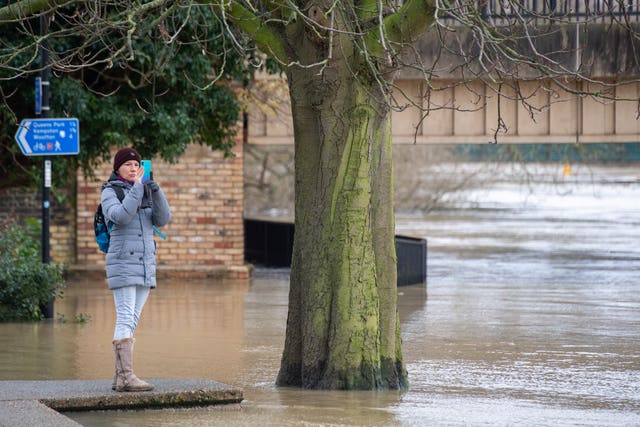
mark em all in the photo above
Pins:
pixel 146 164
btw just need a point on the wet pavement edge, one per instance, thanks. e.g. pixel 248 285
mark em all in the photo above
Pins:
pixel 29 403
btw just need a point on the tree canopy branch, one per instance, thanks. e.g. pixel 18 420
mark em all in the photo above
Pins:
pixel 401 27
pixel 410 20
pixel 267 38
pixel 28 8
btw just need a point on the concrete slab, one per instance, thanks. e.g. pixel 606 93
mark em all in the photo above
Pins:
pixel 22 402
pixel 16 413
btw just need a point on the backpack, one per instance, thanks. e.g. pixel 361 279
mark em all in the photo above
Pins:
pixel 100 226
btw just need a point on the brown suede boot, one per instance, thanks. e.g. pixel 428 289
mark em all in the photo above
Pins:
pixel 126 380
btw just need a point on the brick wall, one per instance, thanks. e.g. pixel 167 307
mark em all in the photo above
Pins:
pixel 205 235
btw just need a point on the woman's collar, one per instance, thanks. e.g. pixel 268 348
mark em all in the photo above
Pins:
pixel 125 180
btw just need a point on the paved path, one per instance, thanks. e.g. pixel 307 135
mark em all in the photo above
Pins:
pixel 34 403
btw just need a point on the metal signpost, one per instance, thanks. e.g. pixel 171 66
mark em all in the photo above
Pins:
pixel 47 137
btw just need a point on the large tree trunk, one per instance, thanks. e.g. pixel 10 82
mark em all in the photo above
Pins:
pixel 342 329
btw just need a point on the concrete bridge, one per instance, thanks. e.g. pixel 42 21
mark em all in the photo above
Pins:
pixel 467 113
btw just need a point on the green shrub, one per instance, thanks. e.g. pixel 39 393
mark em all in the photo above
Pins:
pixel 26 283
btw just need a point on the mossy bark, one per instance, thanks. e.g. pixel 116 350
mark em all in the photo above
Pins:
pixel 342 329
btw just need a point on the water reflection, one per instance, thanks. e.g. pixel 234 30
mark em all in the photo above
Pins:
pixel 532 318
pixel 176 322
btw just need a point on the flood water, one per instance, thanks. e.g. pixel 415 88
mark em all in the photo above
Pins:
pixel 531 316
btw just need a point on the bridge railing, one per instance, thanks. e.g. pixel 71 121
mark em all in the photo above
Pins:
pixel 508 12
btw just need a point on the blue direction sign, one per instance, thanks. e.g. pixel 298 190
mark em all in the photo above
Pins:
pixel 48 137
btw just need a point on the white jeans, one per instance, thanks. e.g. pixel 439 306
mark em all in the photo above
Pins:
pixel 129 301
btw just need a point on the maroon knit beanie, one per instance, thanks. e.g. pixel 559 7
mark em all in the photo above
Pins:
pixel 124 155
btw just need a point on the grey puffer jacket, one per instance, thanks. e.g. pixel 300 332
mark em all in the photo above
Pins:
pixel 131 259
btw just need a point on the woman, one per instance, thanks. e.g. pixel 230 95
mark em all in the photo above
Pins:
pixel 131 260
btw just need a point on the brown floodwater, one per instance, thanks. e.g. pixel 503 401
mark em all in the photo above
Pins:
pixel 531 316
